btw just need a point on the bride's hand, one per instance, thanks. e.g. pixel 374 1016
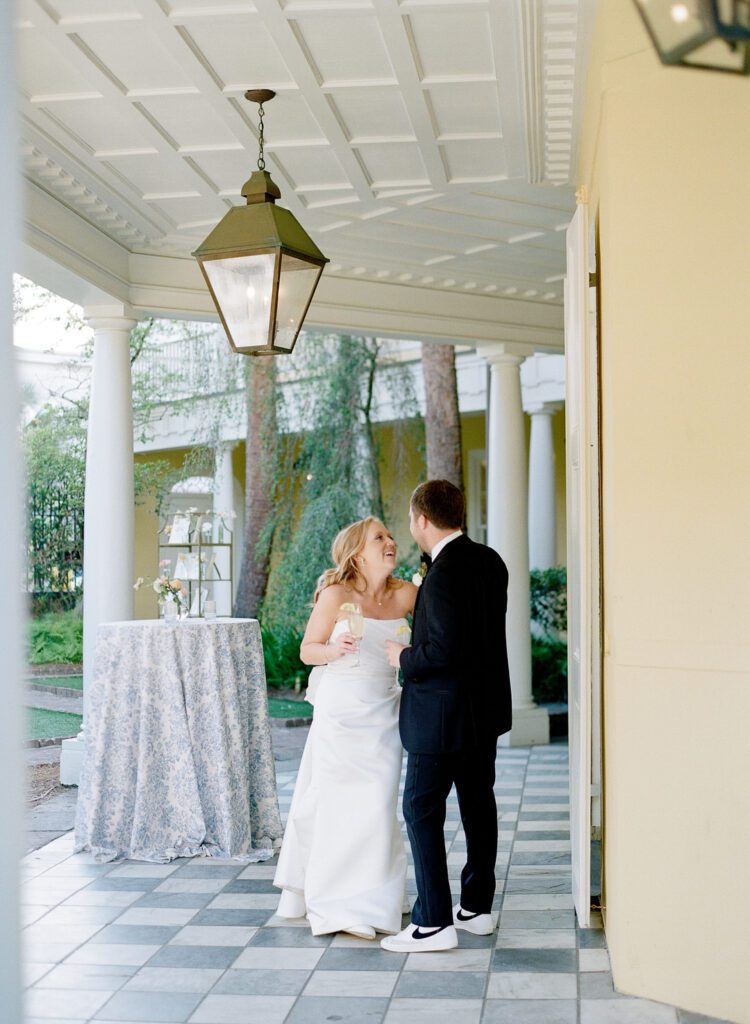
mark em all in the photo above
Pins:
pixel 343 644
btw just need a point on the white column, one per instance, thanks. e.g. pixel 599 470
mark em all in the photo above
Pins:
pixel 224 502
pixel 542 517
pixel 12 599
pixel 507 531
pixel 109 513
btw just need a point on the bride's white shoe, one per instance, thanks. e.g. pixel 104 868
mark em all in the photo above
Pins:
pixel 360 931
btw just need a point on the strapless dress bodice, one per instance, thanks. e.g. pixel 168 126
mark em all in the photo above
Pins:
pixel 368 673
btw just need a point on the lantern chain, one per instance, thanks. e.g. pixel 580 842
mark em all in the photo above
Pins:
pixel 261 158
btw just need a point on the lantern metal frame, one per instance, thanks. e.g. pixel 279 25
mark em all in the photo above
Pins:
pixel 261 228
pixel 734 33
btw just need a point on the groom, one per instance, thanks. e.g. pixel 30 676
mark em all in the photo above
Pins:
pixel 455 703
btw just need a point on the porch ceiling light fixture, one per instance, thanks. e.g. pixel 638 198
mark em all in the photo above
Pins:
pixel 260 265
pixel 709 34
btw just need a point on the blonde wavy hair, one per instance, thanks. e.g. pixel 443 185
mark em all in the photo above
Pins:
pixel 347 544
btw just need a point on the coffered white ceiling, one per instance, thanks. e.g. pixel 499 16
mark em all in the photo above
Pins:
pixel 429 143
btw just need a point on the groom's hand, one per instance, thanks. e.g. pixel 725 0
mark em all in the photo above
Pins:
pixel 393 652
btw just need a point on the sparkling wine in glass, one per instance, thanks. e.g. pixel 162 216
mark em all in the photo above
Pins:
pixel 357 626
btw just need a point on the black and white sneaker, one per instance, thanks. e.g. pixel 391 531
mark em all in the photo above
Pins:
pixel 477 924
pixel 417 938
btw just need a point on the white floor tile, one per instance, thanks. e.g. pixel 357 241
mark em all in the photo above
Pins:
pixel 530 985
pixel 290 958
pixel 537 938
pixel 539 901
pixel 227 1009
pixel 91 898
pixel 52 1004
pixel 174 979
pixel 169 916
pixel 113 953
pixel 434 1011
pixel 245 901
pixel 450 960
pixel 213 935
pixel 355 984
pixel 593 960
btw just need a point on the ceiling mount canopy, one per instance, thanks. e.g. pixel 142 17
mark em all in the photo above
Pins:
pixel 260 265
pixel 709 34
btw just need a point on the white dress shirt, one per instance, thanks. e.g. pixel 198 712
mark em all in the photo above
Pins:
pixel 441 544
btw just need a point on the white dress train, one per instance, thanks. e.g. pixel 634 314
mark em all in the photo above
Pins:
pixel 342 861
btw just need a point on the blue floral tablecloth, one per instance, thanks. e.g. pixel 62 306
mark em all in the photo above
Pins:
pixel 178 744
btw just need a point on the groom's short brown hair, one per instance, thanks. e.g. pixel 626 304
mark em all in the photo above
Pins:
pixel 441 502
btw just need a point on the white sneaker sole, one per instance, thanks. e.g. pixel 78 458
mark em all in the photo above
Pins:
pixel 443 940
pixel 482 925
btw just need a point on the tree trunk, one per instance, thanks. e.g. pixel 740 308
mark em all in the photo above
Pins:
pixel 442 421
pixel 260 451
pixel 372 348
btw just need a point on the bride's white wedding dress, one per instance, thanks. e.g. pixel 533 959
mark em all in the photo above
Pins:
pixel 343 862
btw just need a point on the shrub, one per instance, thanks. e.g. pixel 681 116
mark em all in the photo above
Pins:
pixel 549 599
pixel 549 671
pixel 549 651
pixel 281 655
pixel 56 637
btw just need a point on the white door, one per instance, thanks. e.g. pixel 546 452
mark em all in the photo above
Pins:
pixel 581 415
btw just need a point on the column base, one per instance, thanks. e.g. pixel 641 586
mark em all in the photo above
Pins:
pixel 71 760
pixel 530 728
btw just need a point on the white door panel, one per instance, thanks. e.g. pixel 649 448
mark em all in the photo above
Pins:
pixel 581 413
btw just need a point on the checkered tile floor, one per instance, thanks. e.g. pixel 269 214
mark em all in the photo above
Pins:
pixel 197 940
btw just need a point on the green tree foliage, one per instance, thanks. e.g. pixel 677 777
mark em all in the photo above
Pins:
pixel 327 471
pixel 549 599
pixel 549 651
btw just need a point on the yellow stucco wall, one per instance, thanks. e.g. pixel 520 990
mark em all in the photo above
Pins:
pixel 402 468
pixel 665 156
pixel 146 541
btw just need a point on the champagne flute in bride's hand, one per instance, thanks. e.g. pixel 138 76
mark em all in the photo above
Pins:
pixel 356 626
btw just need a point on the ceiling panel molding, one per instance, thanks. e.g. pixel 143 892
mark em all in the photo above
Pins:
pixel 420 140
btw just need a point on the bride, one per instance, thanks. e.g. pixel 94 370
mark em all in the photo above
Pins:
pixel 342 862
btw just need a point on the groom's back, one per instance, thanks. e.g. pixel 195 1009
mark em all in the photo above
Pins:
pixel 462 696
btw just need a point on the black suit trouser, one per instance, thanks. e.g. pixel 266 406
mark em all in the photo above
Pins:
pixel 429 778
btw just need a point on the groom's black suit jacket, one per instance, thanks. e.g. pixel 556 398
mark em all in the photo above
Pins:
pixel 456 691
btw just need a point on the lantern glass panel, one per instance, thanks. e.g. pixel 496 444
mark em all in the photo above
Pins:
pixel 243 286
pixel 733 14
pixel 676 25
pixel 296 284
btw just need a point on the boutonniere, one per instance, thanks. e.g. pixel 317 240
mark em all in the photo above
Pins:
pixel 419 575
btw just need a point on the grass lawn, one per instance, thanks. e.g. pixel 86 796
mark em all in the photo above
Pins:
pixel 69 682
pixel 278 708
pixel 43 724
pixel 47 725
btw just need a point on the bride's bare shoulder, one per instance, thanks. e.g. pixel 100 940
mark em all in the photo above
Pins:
pixel 406 595
pixel 333 596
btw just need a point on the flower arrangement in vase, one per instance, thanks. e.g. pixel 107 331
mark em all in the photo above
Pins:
pixel 172 593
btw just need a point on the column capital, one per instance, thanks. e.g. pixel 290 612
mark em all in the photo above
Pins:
pixel 505 352
pixel 117 316
pixel 543 408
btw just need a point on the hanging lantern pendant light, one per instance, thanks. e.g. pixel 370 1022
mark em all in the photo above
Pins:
pixel 260 265
pixel 709 34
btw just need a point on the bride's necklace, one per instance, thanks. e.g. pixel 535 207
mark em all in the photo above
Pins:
pixel 378 603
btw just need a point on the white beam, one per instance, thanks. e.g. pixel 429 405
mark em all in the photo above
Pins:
pixel 11 611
